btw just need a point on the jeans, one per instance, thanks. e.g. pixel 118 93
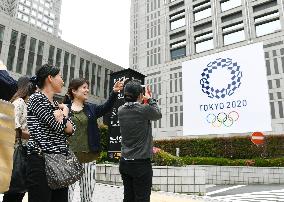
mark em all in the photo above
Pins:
pixel 137 179
pixel 38 188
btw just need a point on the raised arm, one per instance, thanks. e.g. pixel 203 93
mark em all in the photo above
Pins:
pixel 101 110
pixel 152 111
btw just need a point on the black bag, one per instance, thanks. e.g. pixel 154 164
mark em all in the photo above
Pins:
pixel 62 170
pixel 19 173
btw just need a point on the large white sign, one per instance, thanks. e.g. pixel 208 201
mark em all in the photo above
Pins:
pixel 226 93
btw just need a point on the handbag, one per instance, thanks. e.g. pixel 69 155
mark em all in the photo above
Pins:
pixel 62 170
pixel 7 141
pixel 19 172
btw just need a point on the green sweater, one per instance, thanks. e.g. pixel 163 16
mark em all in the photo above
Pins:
pixel 79 141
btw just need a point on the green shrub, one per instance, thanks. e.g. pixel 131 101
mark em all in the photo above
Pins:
pixel 163 158
pixel 102 157
pixel 104 136
pixel 225 147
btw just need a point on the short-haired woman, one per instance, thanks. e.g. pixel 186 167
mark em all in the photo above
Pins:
pixel 86 141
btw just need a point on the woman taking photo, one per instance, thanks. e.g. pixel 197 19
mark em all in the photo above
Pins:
pixel 86 141
pixel 49 126
pixel 19 100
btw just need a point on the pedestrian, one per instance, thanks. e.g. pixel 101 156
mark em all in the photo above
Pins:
pixel 8 86
pixel 86 142
pixel 19 100
pixel 49 126
pixel 137 141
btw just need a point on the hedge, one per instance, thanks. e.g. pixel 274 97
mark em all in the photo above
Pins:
pixel 163 158
pixel 104 136
pixel 226 147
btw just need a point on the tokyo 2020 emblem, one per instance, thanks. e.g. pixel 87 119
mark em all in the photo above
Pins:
pixel 232 85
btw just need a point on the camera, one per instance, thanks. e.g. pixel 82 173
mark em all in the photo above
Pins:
pixel 143 89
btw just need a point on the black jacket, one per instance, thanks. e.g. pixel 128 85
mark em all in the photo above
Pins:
pixel 93 112
pixel 8 86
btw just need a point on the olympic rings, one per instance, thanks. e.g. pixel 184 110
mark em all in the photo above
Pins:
pixel 223 119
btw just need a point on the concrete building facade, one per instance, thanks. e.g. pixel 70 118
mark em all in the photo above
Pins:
pixel 165 33
pixel 24 49
pixel 43 14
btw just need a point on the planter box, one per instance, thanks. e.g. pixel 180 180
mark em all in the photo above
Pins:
pixel 189 179
pixel 230 175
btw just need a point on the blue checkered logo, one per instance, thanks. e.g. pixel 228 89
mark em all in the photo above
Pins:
pixel 234 83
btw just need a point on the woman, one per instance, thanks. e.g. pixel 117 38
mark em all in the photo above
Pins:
pixel 86 142
pixel 49 126
pixel 19 100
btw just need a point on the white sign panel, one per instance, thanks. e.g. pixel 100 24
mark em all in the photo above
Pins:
pixel 226 93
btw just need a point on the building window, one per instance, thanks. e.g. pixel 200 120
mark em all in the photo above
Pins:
pixel 171 120
pixel 98 90
pixel 51 55
pixel 268 70
pixel 65 66
pixel 39 55
pixel 234 37
pixel 267 24
pixel 178 44
pixel 12 50
pixel 87 69
pixel 178 53
pixel 176 119
pixel 177 23
pixel 229 4
pixel 276 66
pixel 233 33
pixel 202 10
pixel 58 58
pixel 106 84
pixel 272 109
pixel 72 67
pixel 204 42
pixel 269 84
pixel 280 105
pixel 31 56
pixel 81 73
pixel 271 96
pixel 21 53
pixel 204 45
pixel 93 80
pixel 277 81
pixel 181 119
pixel 2 30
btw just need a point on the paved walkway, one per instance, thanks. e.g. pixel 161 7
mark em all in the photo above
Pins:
pixel 110 193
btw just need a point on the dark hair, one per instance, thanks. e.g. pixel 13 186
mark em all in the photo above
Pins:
pixel 132 90
pixel 74 85
pixel 44 72
pixel 25 88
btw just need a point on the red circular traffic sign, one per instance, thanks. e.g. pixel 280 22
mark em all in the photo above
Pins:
pixel 257 138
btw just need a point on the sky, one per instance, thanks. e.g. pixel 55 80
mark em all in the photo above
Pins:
pixel 101 27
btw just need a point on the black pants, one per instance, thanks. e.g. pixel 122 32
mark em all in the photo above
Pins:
pixel 137 180
pixel 13 197
pixel 38 188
